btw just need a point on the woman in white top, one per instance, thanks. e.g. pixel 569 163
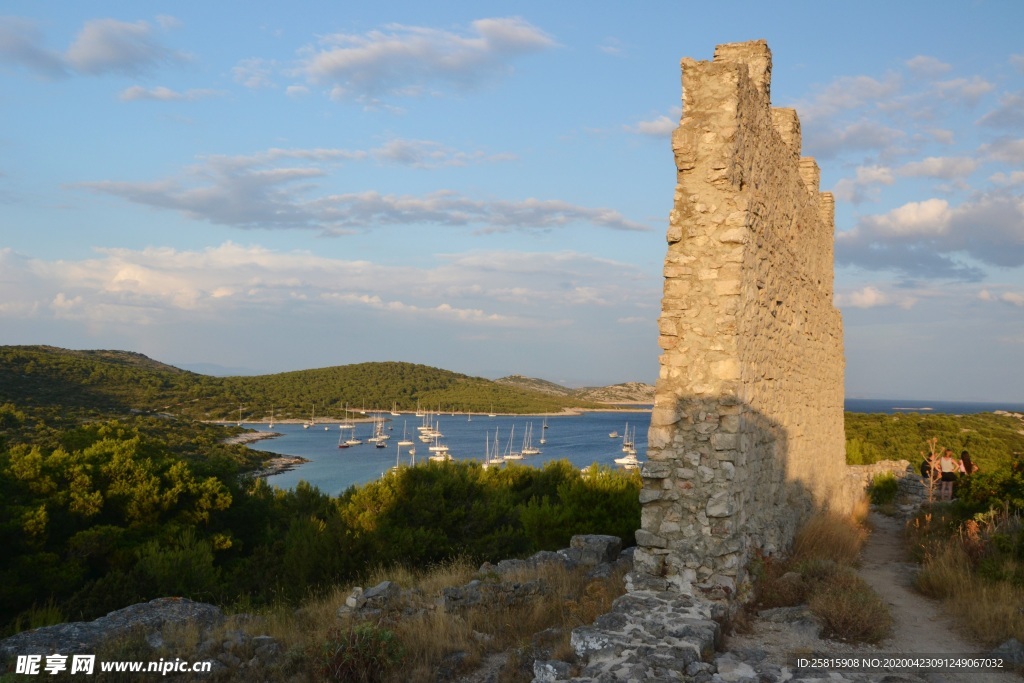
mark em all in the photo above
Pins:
pixel 949 466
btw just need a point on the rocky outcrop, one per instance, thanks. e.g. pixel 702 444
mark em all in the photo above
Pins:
pixel 77 637
pixel 497 586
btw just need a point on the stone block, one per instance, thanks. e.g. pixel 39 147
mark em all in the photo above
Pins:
pixel 720 505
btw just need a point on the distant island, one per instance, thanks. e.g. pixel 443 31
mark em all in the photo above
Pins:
pixel 112 380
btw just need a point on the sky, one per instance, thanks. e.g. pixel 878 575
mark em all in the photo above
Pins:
pixel 255 187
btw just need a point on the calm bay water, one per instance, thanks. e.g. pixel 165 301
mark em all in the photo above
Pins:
pixel 580 439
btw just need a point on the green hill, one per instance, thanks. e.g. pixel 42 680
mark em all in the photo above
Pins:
pixel 121 381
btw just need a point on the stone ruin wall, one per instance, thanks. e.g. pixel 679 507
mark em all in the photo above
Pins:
pixel 746 435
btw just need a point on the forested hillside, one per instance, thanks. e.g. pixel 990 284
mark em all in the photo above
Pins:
pixel 123 381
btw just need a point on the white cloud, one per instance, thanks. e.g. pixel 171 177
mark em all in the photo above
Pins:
pixel 1009 113
pixel 946 168
pixel 429 154
pixel 1006 150
pixel 1007 179
pixel 923 65
pixel 868 297
pixel 254 72
pixel 168 22
pixel 660 127
pixel 1012 298
pixel 161 285
pixel 849 93
pixel 932 239
pixel 112 46
pixel 256 192
pixel 928 218
pixel 1018 62
pixel 296 91
pixel 827 141
pixel 102 46
pixel 861 187
pixel 942 135
pixel 21 44
pixel 137 93
pixel 967 91
pixel 613 47
pixel 402 61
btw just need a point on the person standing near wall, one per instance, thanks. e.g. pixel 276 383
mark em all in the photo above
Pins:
pixel 949 466
pixel 966 465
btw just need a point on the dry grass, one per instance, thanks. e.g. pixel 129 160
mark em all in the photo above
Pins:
pixel 851 610
pixel 981 585
pixel 819 572
pixel 830 537
pixel 414 641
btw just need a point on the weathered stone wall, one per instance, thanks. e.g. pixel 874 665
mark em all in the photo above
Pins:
pixel 747 434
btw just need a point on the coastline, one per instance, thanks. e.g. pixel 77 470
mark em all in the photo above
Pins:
pixel 274 465
pixel 248 437
pixel 278 464
pixel 625 407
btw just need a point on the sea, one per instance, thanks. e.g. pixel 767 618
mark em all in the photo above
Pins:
pixel 582 439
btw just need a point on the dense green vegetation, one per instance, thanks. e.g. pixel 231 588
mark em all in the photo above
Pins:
pixel 991 439
pixel 106 513
pixel 122 381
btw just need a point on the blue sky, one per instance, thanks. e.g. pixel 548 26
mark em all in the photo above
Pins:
pixel 484 187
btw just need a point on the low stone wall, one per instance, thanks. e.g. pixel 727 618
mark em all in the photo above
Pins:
pixel 912 487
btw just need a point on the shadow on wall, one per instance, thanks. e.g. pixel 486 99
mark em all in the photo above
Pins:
pixel 724 483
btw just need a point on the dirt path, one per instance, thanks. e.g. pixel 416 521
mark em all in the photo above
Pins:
pixel 919 625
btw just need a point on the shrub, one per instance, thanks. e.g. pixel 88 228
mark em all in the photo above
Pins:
pixel 883 488
pixel 851 610
pixel 365 653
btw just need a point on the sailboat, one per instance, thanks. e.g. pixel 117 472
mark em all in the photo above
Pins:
pixel 405 440
pixel 528 447
pixel 627 442
pixel 439 451
pixel 509 453
pixel 345 424
pixel 312 420
pixel 352 440
pixel 545 426
pixel 398 455
pixel 629 460
pixel 270 425
pixel 239 414
pixel 379 437
pixel 394 409
pixel 493 456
